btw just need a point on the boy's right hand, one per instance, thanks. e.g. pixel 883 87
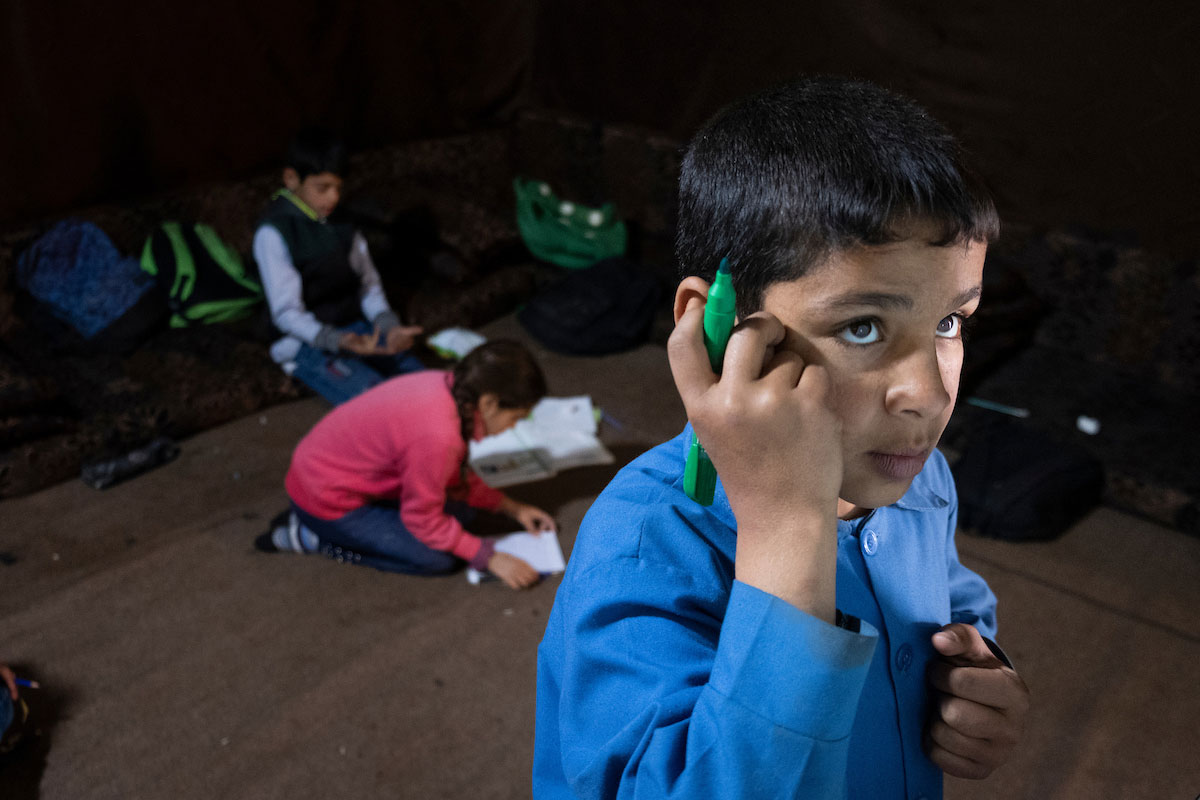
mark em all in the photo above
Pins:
pixel 515 572
pixel 768 426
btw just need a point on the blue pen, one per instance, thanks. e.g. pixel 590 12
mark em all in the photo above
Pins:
pixel 27 683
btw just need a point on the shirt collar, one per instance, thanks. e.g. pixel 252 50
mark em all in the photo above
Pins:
pixel 921 496
pixel 298 203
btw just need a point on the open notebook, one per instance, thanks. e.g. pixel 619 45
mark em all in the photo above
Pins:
pixel 560 433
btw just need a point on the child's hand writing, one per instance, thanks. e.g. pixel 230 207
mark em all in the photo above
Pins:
pixel 767 425
pixel 981 705
pixel 513 571
pixel 533 519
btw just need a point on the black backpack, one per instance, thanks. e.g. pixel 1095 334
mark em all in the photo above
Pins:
pixel 203 278
pixel 605 308
pixel 1017 483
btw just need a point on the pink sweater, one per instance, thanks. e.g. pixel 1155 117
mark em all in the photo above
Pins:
pixel 401 441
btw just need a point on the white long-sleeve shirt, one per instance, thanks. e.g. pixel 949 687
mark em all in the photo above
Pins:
pixel 284 292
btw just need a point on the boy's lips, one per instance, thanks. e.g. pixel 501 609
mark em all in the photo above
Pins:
pixel 900 465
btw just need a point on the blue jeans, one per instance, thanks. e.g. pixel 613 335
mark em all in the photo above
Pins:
pixel 340 377
pixel 374 536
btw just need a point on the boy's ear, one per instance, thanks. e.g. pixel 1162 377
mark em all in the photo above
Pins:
pixel 291 179
pixel 689 287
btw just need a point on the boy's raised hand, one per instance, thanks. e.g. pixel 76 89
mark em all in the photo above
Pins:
pixel 767 424
pixel 981 703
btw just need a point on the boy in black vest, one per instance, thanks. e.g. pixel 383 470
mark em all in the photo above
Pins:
pixel 341 337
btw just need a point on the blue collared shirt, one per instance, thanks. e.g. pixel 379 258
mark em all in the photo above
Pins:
pixel 660 675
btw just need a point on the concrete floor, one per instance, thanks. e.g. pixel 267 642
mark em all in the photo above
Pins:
pixel 177 662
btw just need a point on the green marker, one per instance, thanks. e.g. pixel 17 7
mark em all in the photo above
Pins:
pixel 699 475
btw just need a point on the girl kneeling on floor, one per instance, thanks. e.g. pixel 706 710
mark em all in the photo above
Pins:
pixel 382 480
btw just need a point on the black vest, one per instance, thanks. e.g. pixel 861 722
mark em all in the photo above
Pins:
pixel 320 252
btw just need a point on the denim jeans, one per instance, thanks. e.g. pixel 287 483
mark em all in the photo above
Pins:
pixel 375 536
pixel 340 377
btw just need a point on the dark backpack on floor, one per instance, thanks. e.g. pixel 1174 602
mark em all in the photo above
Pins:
pixel 1015 482
pixel 605 308
pixel 203 278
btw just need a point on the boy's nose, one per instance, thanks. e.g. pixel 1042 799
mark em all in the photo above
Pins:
pixel 917 385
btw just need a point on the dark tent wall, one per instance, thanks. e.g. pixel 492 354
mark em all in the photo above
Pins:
pixel 112 100
pixel 1077 113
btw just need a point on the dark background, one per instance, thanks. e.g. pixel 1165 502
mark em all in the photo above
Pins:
pixel 1079 113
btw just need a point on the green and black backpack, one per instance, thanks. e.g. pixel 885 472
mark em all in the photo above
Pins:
pixel 203 278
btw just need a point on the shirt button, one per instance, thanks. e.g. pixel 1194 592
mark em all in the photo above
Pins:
pixel 870 542
pixel 904 657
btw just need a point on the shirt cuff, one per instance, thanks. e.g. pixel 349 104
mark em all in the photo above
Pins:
pixel 386 320
pixel 790 667
pixel 327 339
pixel 487 548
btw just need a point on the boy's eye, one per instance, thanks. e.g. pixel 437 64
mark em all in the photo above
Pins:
pixel 950 327
pixel 864 331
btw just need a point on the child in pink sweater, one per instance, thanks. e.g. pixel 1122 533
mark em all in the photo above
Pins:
pixel 382 479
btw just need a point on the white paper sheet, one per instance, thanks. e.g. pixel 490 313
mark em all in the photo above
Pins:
pixel 540 550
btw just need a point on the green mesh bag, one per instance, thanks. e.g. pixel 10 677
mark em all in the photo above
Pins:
pixel 204 278
pixel 565 233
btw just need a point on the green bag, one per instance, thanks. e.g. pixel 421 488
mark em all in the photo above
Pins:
pixel 203 278
pixel 565 233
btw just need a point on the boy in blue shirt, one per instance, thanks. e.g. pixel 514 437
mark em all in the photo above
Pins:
pixel 812 632
pixel 321 285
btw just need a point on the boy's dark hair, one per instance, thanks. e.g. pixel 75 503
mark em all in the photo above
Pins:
pixel 503 367
pixel 780 181
pixel 316 150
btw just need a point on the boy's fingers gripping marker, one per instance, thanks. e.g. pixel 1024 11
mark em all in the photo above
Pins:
pixel 699 475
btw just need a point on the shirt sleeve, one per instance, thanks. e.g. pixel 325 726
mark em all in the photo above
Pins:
pixel 284 290
pixel 373 301
pixel 431 466
pixel 480 495
pixel 662 693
